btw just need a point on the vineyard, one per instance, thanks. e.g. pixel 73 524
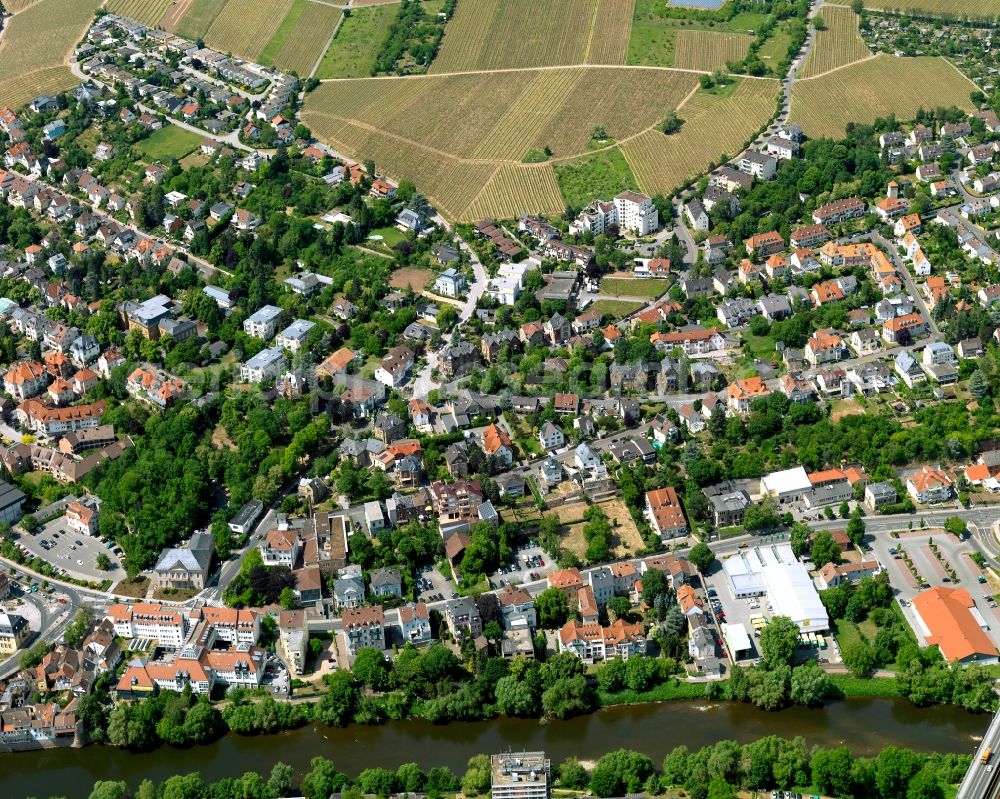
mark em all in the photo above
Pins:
pixel 708 50
pixel 148 12
pixel 495 34
pixel 17 6
pixel 515 189
pixel 244 27
pixel 171 19
pixel 197 18
pixel 36 44
pixel 713 125
pixel 875 88
pixel 840 44
pixel 307 38
pixel 16 92
pixel 956 9
pixel 500 116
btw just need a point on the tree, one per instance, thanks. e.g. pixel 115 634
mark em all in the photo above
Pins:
pixel 800 539
pixel 824 549
pixel 831 771
pixel 619 606
pixel 769 686
pixel 337 705
pixel 620 772
pixel 778 642
pixel 856 528
pixel 857 6
pixel 105 789
pixel 573 775
pixel 569 696
pixel 478 776
pixel 701 556
pixel 322 779
pixel 31 524
pixel 516 697
pixel 844 510
pixel 810 684
pixel 103 562
pixel 552 608
pixel 369 668
pixel 925 785
pixel 860 658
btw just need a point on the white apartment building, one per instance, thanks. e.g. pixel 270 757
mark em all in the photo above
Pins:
pixel 636 213
pixel 262 322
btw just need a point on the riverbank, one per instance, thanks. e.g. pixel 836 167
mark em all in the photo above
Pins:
pixel 864 725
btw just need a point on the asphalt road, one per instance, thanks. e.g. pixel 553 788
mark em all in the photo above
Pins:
pixel 982 780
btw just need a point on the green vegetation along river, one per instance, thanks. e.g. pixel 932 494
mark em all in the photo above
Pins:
pixel 864 725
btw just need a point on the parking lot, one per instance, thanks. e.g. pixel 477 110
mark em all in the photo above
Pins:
pixel 72 551
pixel 744 611
pixel 915 544
pixel 432 586
pixel 530 563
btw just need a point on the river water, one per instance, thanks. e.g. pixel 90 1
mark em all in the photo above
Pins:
pixel 864 725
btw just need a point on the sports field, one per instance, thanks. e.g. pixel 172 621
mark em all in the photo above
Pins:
pixel 352 53
pixel 35 48
pixel 714 124
pixel 709 50
pixel 244 27
pixel 307 34
pixel 503 34
pixel 875 88
pixel 836 46
pixel 148 12
pixel 958 9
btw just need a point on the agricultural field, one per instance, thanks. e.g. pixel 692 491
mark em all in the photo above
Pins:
pixel 499 34
pixel 306 39
pixel 708 50
pixel 244 27
pixel 194 17
pixel 875 88
pixel 663 163
pixel 836 46
pixel 16 6
pixel 35 47
pixel 469 116
pixel 601 174
pixel 461 138
pixel 352 53
pixel 169 143
pixel 148 12
pixel 955 9
pixel 411 278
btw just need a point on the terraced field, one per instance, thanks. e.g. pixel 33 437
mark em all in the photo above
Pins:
pixel 875 88
pixel 244 27
pixel 502 34
pixel 976 9
pixel 36 45
pixel 713 125
pixel 840 44
pixel 148 12
pixel 461 138
pixel 308 36
pixel 708 50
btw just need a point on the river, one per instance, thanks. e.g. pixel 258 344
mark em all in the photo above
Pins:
pixel 865 725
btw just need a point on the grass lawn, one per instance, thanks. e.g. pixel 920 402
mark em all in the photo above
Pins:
pixel 169 143
pixel 725 90
pixel 352 53
pixel 651 287
pixel 775 48
pixel 603 174
pixel 390 236
pixel 273 47
pixel 616 308
pixel 847 633
pixel 761 346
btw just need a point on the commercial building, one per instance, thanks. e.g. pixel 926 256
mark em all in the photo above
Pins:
pixel 949 618
pixel 774 571
pixel 521 775
pixel 787 485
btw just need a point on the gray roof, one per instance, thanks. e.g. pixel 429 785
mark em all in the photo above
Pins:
pixel 381 577
pixel 195 557
pixel 266 313
pixel 10 495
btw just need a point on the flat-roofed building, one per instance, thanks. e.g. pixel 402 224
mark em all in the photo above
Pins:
pixel 521 775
